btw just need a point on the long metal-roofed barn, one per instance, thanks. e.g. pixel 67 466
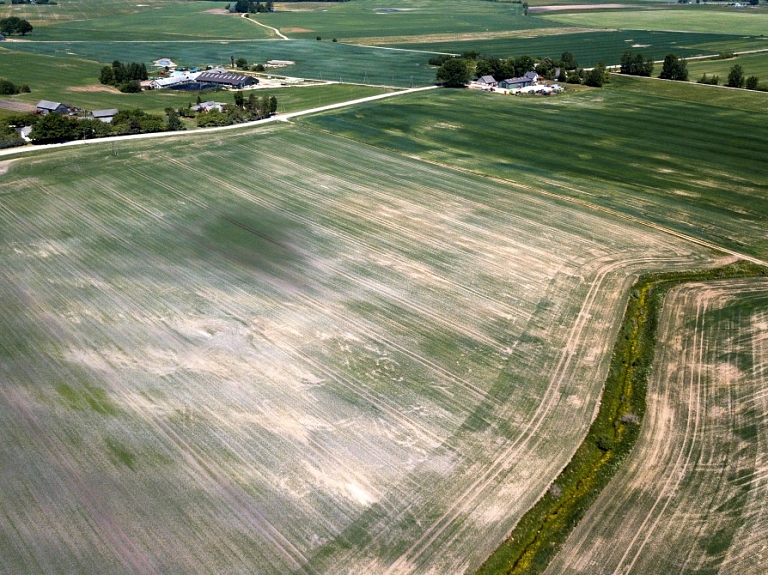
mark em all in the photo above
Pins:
pixel 227 79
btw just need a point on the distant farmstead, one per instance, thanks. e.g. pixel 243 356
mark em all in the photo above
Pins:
pixel 48 107
pixel 105 116
pixel 227 79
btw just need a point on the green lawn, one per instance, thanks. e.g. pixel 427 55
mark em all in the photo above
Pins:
pixel 689 19
pixel 628 147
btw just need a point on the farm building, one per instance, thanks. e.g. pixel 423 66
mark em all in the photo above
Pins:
pixel 104 115
pixel 207 106
pixel 175 80
pixel 529 79
pixel 489 81
pixel 226 79
pixel 48 107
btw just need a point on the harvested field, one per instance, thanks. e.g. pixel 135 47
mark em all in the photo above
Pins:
pixel 696 483
pixel 332 360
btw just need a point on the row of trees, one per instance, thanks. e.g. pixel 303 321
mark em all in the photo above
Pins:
pixel 15 25
pixel 126 77
pixel 736 79
pixel 250 7
pixel 31 2
pixel 8 88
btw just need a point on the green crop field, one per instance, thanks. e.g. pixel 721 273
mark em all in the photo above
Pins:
pixel 645 154
pixel 278 350
pixel 591 47
pixel 725 20
pixel 695 485
pixel 753 65
pixel 361 19
pixel 319 60
pixel 70 10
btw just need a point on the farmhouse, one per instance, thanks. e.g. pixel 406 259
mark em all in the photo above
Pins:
pixel 226 79
pixel 47 107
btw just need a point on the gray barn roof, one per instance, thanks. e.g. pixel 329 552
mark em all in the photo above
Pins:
pixel 48 105
pixel 228 79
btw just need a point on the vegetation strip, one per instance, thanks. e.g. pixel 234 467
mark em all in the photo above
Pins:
pixel 542 531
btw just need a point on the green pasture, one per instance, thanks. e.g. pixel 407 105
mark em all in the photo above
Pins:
pixel 187 21
pixel 589 48
pixel 693 18
pixel 68 10
pixel 693 163
pixel 753 65
pixel 372 18
pixel 321 60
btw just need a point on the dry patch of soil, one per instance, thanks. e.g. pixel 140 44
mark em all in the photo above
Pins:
pixel 435 38
pixel 94 88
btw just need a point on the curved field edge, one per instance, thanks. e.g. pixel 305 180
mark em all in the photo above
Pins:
pixel 541 532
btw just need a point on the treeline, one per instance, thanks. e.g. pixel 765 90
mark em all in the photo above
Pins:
pixel 8 88
pixel 250 7
pixel 736 79
pixel 30 2
pixel 125 77
pixel 15 25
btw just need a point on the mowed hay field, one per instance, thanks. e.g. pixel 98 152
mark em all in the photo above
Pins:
pixel 691 497
pixel 283 351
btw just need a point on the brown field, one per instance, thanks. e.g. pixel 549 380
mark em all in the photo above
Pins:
pixel 691 498
pixel 286 351
pixel 435 38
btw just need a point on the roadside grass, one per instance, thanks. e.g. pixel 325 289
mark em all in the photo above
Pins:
pixel 688 19
pixel 589 48
pixel 649 149
pixel 319 60
pixel 541 532
pixel 753 64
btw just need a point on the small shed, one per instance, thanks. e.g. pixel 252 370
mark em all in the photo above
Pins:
pixel 208 106
pixel 105 115
pixel 489 81
pixel 48 107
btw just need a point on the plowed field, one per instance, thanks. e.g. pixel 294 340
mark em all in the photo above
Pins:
pixel 284 350
pixel 691 498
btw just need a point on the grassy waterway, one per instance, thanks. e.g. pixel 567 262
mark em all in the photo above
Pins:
pixel 542 531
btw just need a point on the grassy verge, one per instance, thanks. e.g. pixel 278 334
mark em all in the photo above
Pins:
pixel 541 532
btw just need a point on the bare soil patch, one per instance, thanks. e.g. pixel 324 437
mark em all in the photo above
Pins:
pixel 220 11
pixel 294 30
pixel 94 88
pixel 434 38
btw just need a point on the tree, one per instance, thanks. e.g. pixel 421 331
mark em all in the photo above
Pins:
pixel 596 76
pixel 14 25
pixel 752 83
pixel 24 28
pixel 635 64
pixel 568 62
pixel 241 63
pixel 674 68
pixel 736 77
pixel 454 73
pixel 174 122
pixel 239 99
pixel 272 105
pixel 107 76
pixel 53 129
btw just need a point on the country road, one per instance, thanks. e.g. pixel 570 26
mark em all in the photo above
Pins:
pixel 279 117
